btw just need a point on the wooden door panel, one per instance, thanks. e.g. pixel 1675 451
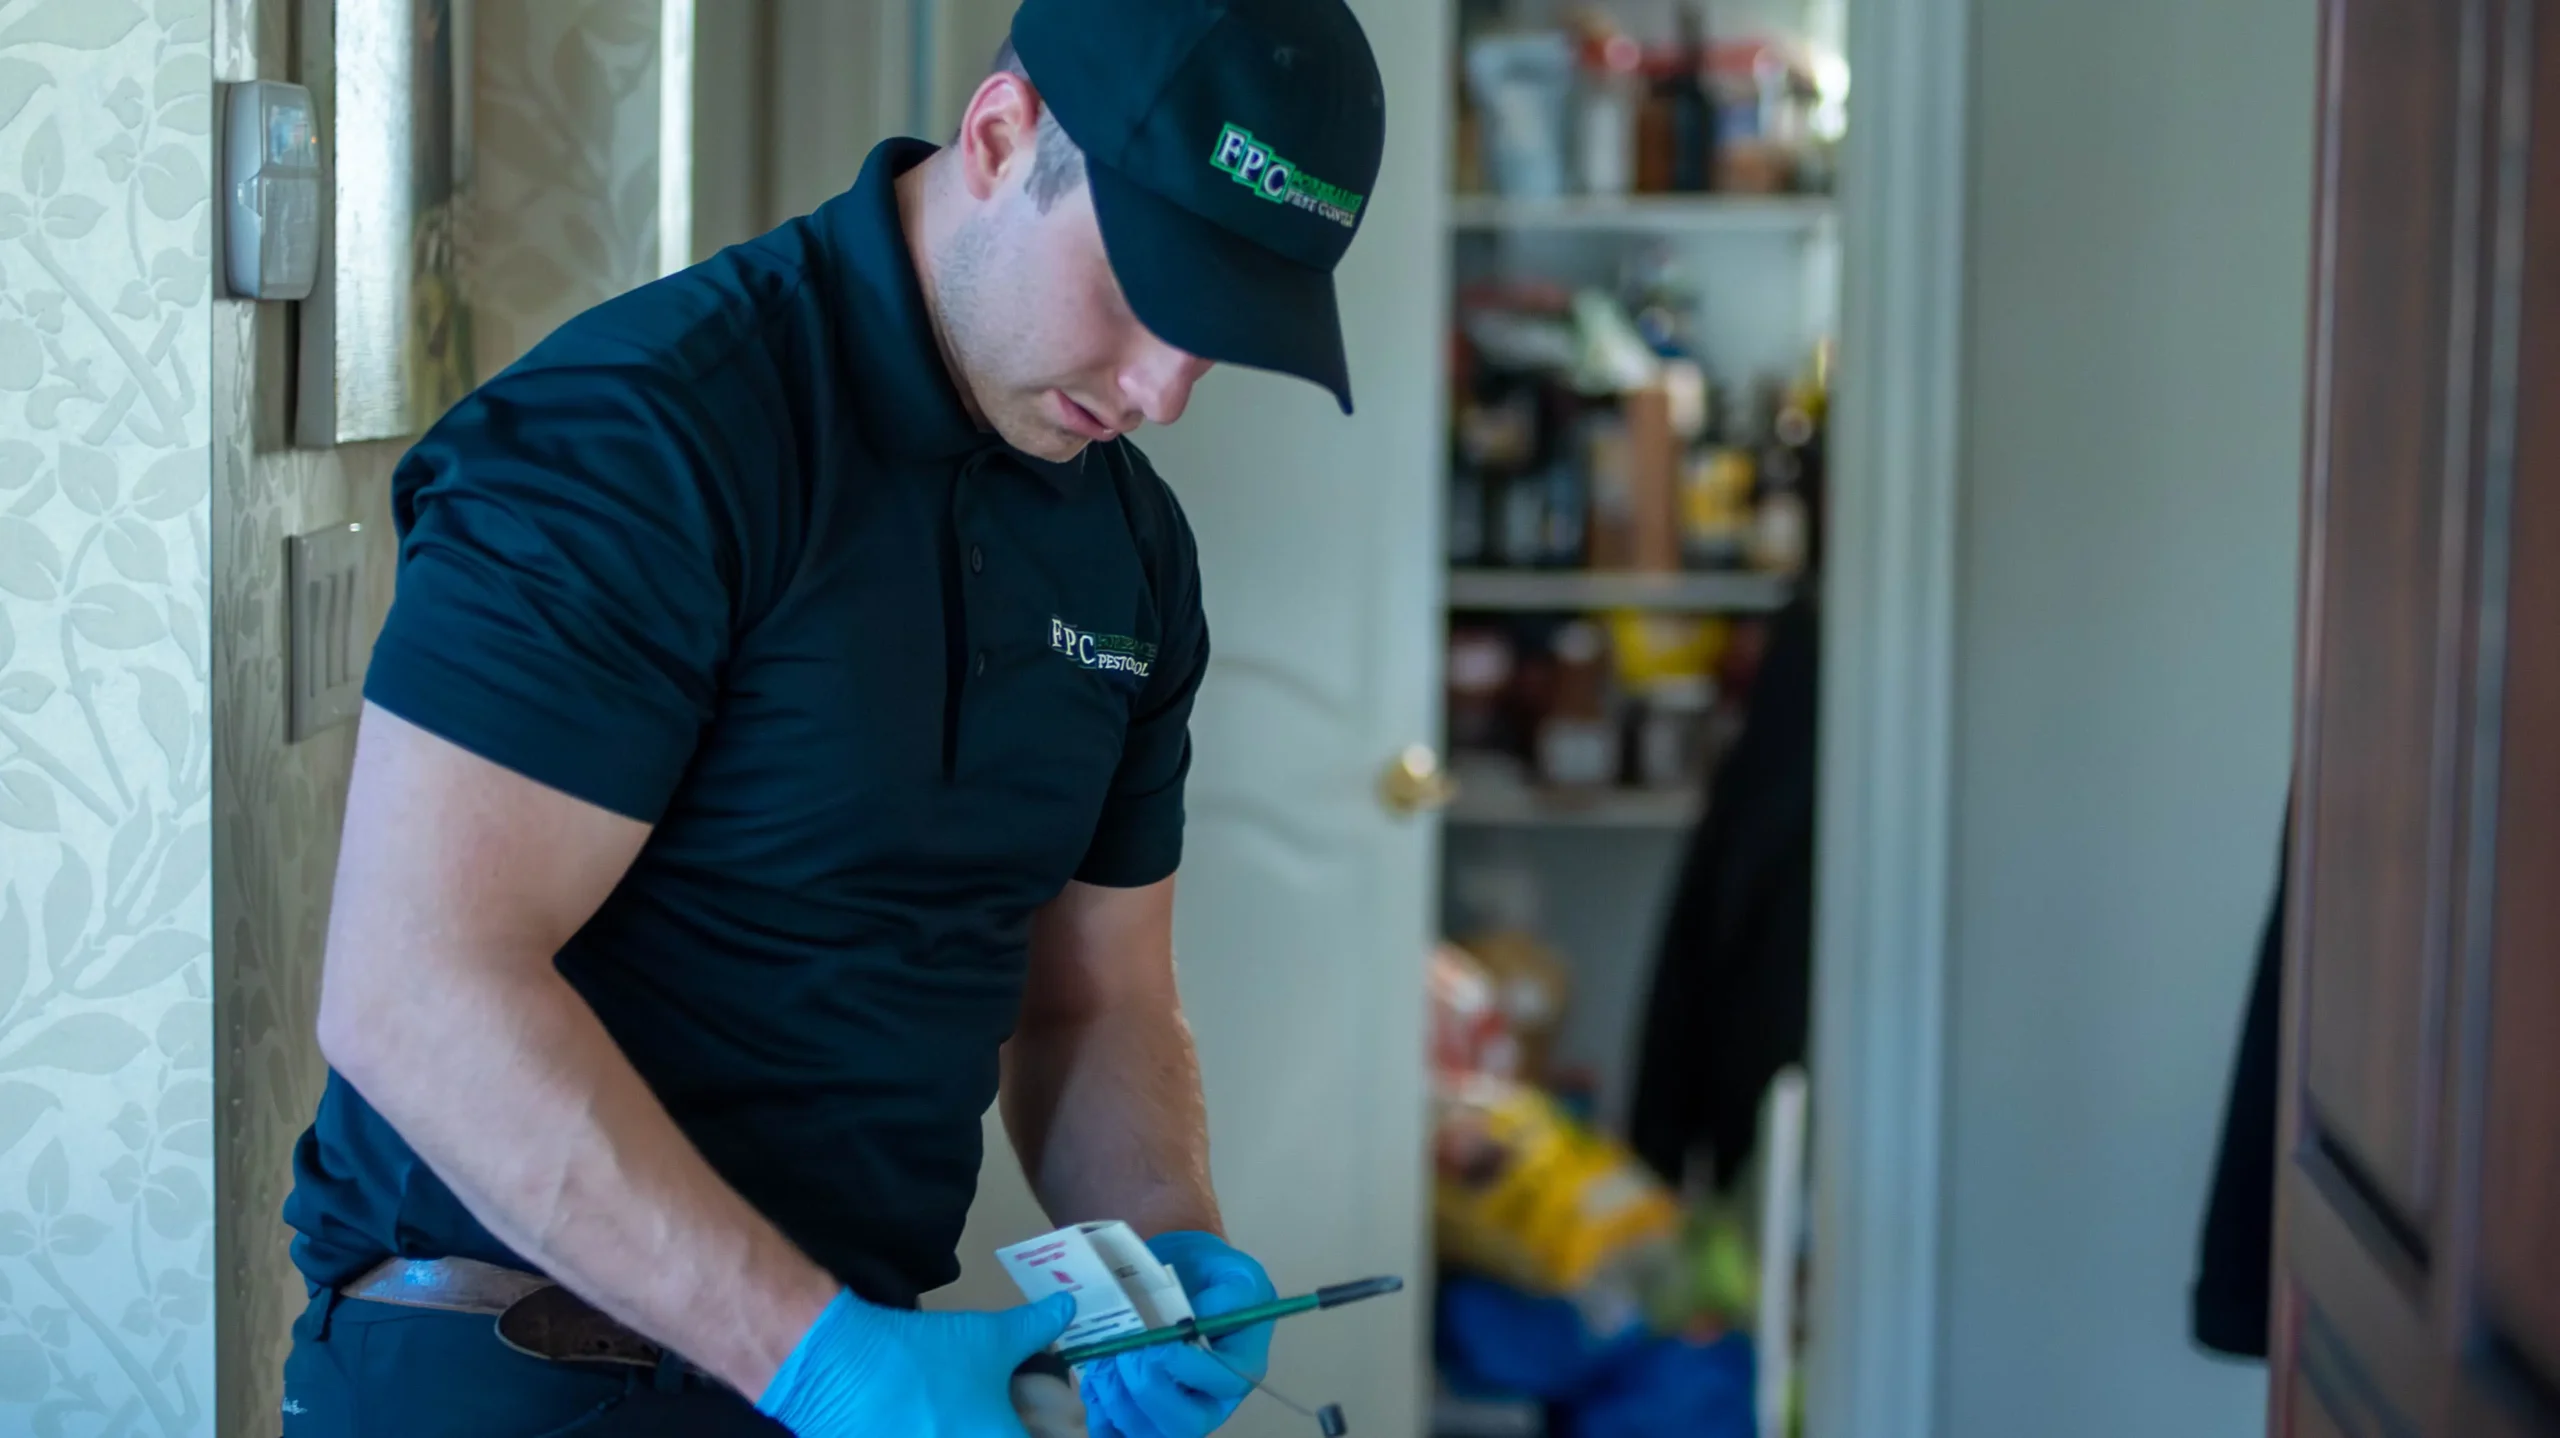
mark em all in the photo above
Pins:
pixel 2520 1189
pixel 2479 1414
pixel 2312 1415
pixel 2356 1332
pixel 2520 1181
pixel 2384 657
pixel 2318 1411
pixel 2419 1206
pixel 2332 1392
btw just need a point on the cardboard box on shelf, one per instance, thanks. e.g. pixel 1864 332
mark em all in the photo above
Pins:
pixel 1653 464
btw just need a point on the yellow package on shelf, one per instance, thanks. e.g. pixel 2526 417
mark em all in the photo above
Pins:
pixel 1650 649
pixel 1526 1195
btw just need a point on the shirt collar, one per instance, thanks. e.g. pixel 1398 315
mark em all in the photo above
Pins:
pixel 900 384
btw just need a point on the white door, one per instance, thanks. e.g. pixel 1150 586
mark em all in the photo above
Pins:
pixel 1305 907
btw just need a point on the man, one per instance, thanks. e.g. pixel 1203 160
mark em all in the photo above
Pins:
pixel 777 749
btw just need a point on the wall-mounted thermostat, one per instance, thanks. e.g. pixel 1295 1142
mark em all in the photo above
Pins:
pixel 271 190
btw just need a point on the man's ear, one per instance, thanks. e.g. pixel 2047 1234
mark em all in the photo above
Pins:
pixel 998 133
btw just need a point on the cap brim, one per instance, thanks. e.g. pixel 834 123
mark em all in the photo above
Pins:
pixel 1210 292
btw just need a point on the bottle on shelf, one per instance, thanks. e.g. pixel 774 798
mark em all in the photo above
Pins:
pixel 1481 663
pixel 1669 736
pixel 1662 300
pixel 1790 471
pixel 1778 522
pixel 1608 106
pixel 1467 542
pixel 1781 530
pixel 1564 542
pixel 1520 529
pixel 1498 499
pixel 1692 112
pixel 1717 482
pixel 1664 665
pixel 1654 144
pixel 1577 744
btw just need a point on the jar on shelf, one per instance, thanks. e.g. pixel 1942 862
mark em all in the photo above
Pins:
pixel 1577 742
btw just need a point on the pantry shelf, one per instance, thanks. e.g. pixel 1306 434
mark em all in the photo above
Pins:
pixel 1645 214
pixel 1517 808
pixel 1567 589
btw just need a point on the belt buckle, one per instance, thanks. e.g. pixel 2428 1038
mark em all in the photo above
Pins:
pixel 556 1325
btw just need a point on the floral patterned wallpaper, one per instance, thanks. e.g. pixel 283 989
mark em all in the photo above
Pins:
pixel 106 1095
pixel 566 214
pixel 567 126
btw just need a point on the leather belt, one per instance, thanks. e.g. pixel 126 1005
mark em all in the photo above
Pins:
pixel 535 1316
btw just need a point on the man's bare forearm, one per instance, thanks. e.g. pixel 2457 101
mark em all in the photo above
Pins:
pixel 507 1085
pixel 1105 1111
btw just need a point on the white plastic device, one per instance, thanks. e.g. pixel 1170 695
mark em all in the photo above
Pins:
pixel 1119 1285
pixel 271 190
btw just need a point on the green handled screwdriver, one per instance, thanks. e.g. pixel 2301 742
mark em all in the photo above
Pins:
pixel 1222 1324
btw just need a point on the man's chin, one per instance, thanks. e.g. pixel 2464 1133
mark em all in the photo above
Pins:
pixel 1051 442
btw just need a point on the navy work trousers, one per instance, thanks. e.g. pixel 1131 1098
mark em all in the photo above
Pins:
pixel 376 1370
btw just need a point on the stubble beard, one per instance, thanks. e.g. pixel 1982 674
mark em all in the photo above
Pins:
pixel 979 334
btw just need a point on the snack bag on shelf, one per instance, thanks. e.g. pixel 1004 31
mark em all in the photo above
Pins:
pixel 1468 1035
pixel 1526 1195
pixel 1529 987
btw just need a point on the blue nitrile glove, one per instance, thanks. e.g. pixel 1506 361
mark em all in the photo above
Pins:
pixel 863 1370
pixel 1176 1390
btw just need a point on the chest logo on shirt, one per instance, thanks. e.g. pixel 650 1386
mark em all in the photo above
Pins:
pixel 1112 654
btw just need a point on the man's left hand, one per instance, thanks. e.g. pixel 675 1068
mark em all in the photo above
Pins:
pixel 1179 1390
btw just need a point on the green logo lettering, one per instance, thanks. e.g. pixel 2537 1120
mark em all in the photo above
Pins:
pixel 1274 177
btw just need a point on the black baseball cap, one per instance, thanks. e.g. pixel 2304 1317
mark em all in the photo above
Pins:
pixel 1231 146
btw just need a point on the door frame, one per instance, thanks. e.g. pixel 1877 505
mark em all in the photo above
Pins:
pixel 1888 685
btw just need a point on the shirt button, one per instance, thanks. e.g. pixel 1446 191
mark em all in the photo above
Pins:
pixel 982 663
pixel 977 560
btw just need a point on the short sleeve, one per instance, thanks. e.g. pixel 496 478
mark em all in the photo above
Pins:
pixel 564 598
pixel 1139 839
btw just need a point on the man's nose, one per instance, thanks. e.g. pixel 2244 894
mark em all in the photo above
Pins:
pixel 1158 383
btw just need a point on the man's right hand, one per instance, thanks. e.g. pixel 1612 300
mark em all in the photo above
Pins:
pixel 862 1369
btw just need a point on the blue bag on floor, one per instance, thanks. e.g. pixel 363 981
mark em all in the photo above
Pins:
pixel 1496 1341
pixel 1668 1388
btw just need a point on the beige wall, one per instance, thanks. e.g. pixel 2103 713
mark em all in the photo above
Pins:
pixel 967 35
pixel 837 86
pixel 2139 230
pixel 567 215
pixel 106 1145
pixel 789 97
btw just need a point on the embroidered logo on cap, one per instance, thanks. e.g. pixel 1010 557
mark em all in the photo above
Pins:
pixel 1263 170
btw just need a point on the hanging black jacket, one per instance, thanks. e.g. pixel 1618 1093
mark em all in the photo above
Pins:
pixel 2237 1247
pixel 1732 984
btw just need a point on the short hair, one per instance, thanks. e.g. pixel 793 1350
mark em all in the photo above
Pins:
pixel 1057 165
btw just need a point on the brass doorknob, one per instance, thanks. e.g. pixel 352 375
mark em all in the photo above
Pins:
pixel 1414 782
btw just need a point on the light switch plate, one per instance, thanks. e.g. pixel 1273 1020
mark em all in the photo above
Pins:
pixel 324 668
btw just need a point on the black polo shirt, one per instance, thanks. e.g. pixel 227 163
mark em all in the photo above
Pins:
pixel 727 555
